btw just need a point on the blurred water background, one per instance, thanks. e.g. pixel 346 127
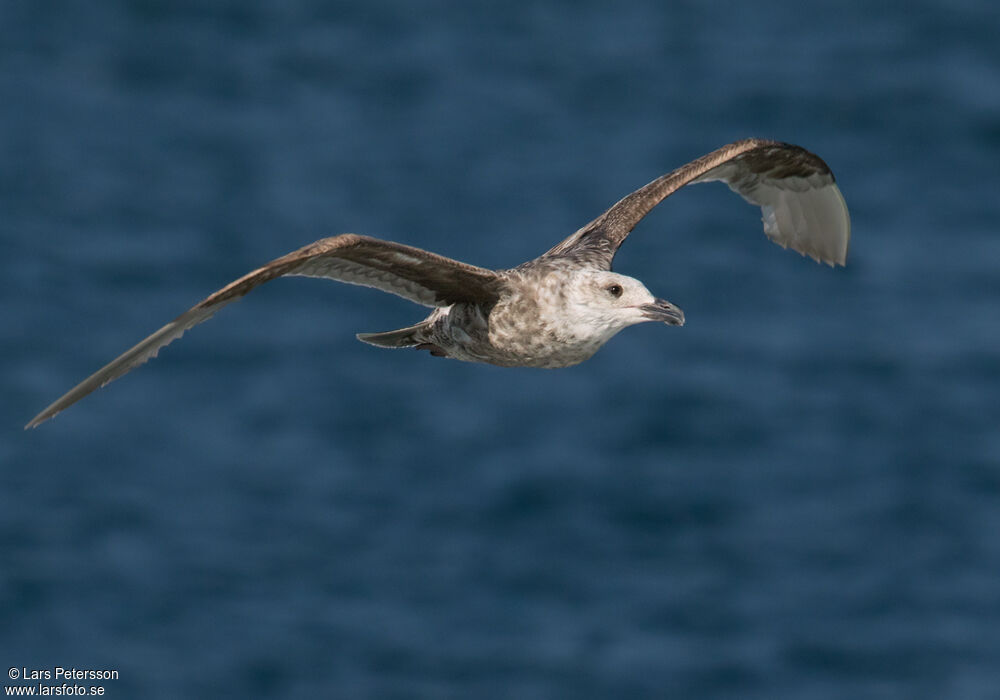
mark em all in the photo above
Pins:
pixel 797 495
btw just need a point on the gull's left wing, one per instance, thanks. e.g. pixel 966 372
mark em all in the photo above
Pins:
pixel 801 204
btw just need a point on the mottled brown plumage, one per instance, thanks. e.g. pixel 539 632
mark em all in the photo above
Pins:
pixel 553 311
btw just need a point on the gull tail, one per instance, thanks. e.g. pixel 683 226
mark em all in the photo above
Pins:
pixel 402 338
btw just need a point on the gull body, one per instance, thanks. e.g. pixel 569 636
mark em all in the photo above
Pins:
pixel 550 315
pixel 558 309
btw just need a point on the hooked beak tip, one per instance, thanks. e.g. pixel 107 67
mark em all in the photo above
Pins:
pixel 662 310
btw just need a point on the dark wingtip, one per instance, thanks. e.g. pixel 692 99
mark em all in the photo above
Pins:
pixel 38 420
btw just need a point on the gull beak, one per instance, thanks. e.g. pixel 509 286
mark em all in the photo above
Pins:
pixel 663 310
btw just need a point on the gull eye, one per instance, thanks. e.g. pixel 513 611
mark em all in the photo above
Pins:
pixel 615 290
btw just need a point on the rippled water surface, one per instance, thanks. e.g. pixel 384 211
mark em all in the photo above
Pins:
pixel 797 495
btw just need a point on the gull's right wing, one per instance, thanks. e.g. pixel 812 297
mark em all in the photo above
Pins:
pixel 412 273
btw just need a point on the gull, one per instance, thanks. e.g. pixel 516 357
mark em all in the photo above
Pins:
pixel 558 309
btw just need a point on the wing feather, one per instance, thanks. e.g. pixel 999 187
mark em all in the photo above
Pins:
pixel 801 205
pixel 414 274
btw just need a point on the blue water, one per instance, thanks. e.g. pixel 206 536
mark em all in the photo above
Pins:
pixel 797 495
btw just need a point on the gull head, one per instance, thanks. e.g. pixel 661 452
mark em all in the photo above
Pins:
pixel 610 302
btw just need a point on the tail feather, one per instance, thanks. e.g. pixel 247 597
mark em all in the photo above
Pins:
pixel 401 338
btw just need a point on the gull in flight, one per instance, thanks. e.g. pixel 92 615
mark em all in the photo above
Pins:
pixel 558 309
